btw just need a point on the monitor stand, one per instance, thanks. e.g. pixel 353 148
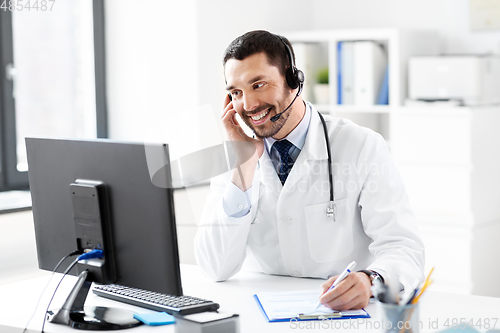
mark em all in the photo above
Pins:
pixel 74 314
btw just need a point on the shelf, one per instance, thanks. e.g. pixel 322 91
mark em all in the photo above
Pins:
pixel 320 47
pixel 375 109
pixel 402 110
pixel 314 36
pixel 362 109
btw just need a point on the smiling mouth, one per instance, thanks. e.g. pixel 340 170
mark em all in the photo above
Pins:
pixel 260 116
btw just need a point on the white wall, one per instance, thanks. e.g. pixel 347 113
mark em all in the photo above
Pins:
pixel 152 67
pixel 18 258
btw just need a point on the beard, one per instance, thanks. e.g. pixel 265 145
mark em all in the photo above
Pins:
pixel 269 128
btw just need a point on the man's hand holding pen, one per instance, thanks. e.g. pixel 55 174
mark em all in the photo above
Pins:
pixel 351 294
pixel 347 291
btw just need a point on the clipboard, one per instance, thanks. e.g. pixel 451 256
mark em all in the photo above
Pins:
pixel 297 305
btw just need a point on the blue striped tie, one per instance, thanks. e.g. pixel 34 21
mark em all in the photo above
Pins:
pixel 283 148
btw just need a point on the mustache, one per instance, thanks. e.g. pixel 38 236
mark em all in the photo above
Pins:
pixel 257 110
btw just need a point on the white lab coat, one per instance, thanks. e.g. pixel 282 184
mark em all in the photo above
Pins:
pixel 287 230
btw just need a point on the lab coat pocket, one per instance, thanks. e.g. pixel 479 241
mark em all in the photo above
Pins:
pixel 329 240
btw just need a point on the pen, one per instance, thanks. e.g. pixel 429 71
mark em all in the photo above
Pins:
pixel 426 284
pixel 341 277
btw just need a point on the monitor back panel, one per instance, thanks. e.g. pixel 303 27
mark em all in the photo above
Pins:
pixel 142 215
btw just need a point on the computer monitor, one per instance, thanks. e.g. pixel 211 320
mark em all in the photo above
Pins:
pixel 141 219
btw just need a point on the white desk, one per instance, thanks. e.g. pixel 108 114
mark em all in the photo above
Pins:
pixel 18 301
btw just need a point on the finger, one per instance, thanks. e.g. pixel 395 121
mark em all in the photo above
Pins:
pixel 360 292
pixel 341 301
pixel 238 127
pixel 227 100
pixel 324 287
pixel 228 119
pixel 362 304
pixel 339 290
pixel 359 302
pixel 233 128
pixel 229 106
pixel 354 304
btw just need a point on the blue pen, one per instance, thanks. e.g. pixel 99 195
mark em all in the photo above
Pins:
pixel 341 277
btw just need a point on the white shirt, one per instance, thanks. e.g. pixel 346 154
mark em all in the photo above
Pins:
pixel 297 137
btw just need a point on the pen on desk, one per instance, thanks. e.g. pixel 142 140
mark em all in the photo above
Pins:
pixel 341 277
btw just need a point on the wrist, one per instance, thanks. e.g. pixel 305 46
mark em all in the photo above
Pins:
pixel 372 275
pixel 242 175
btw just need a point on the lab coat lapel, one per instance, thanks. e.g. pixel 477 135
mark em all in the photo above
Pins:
pixel 314 149
pixel 300 169
pixel 315 145
pixel 268 176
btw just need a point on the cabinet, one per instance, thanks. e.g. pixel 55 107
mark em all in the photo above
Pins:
pixel 450 161
pixel 448 157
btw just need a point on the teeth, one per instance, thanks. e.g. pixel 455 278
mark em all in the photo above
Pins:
pixel 260 116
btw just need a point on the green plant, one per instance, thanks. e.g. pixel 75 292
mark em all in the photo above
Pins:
pixel 322 76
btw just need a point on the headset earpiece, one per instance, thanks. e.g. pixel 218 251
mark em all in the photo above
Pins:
pixel 294 77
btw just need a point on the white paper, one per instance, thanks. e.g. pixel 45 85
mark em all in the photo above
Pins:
pixel 289 304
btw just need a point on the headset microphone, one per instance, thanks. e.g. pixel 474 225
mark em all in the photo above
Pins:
pixel 276 117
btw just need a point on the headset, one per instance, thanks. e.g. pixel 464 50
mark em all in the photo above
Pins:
pixel 295 79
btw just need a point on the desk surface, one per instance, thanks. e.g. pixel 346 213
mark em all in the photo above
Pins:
pixel 18 301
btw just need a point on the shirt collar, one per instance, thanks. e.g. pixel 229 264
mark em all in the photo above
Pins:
pixel 298 135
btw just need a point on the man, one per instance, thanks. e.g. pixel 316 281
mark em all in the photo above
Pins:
pixel 277 206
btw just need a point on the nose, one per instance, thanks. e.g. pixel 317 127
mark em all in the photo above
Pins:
pixel 250 101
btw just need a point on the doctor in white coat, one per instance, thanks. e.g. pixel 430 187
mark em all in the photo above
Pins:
pixel 283 222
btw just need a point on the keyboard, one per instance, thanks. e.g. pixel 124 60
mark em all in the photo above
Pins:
pixel 174 305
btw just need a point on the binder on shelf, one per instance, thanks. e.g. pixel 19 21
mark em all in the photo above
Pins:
pixel 340 71
pixel 345 61
pixel 370 64
pixel 383 96
pixel 362 73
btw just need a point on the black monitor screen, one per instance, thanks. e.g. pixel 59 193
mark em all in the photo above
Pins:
pixel 141 214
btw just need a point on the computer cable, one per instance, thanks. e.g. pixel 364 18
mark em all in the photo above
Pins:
pixel 88 255
pixel 74 253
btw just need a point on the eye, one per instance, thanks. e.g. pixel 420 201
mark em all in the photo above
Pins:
pixel 235 93
pixel 258 85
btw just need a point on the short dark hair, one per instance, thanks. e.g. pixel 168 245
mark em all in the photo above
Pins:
pixel 261 41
